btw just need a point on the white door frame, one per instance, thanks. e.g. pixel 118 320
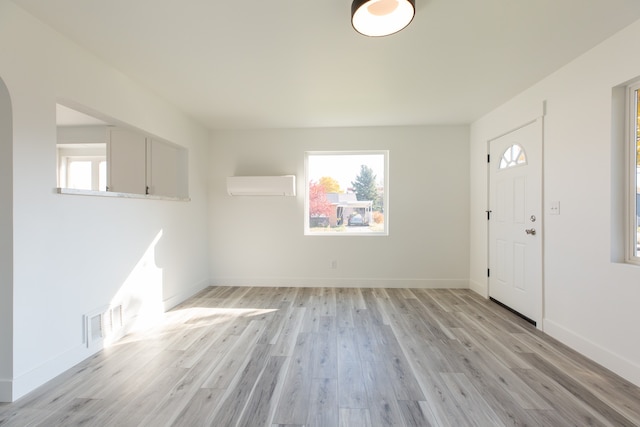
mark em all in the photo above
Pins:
pixel 6 246
pixel 540 309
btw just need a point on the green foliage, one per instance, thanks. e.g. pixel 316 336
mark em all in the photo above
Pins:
pixel 365 187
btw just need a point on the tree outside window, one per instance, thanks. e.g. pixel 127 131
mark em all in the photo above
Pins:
pixel 346 193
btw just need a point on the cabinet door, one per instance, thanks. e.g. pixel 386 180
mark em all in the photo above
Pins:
pixel 167 173
pixel 163 170
pixel 127 162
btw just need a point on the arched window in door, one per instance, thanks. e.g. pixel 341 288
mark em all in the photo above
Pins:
pixel 513 156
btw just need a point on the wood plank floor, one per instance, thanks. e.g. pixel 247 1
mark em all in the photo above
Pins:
pixel 333 357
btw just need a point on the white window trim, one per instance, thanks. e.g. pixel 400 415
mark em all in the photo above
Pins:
pixel 385 231
pixel 632 256
pixel 95 169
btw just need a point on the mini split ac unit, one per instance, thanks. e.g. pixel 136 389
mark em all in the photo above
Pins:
pixel 261 185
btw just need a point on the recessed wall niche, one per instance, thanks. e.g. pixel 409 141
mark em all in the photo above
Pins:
pixel 96 156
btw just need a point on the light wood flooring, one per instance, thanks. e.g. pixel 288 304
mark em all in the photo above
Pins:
pixel 333 357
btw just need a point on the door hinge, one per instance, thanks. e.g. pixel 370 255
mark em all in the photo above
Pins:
pixel 488 215
pixel 488 272
pixel 488 158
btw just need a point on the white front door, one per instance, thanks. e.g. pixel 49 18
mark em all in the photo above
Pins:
pixel 515 225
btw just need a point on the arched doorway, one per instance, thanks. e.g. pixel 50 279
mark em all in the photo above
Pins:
pixel 6 245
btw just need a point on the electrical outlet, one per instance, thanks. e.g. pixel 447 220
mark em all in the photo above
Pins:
pixel 554 208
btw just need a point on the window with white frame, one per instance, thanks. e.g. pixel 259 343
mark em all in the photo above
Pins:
pixel 347 193
pixel 82 166
pixel 633 176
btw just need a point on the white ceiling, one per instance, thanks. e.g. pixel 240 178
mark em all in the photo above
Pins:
pixel 298 63
pixel 66 116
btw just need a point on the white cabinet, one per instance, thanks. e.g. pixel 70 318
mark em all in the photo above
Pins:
pixel 99 158
pixel 167 169
pixel 127 162
pixel 140 164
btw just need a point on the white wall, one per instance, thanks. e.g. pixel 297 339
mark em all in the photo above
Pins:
pixel 260 240
pixel 76 254
pixel 6 244
pixel 591 298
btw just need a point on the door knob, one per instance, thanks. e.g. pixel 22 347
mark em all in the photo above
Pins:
pixel 531 231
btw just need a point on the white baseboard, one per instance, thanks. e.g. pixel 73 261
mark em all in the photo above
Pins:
pixel 185 294
pixel 6 394
pixel 614 362
pixel 343 283
pixel 29 381
pixel 479 288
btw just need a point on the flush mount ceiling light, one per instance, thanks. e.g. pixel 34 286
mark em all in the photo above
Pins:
pixel 377 18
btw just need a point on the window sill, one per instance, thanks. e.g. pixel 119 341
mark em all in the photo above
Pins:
pixel 74 192
pixel 633 261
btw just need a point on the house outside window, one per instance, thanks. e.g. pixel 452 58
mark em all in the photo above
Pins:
pixel 347 193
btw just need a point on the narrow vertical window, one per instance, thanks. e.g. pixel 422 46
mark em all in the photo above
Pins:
pixel 634 175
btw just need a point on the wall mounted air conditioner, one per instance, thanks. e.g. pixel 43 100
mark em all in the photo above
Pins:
pixel 261 185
